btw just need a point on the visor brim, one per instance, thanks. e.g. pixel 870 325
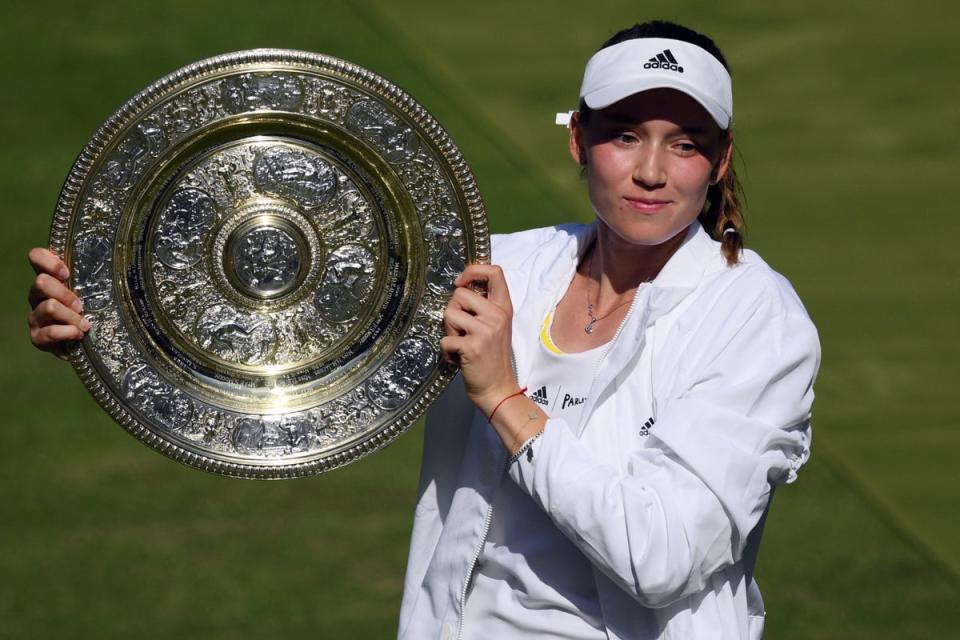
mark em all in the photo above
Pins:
pixel 612 93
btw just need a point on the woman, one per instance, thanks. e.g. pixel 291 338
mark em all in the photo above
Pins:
pixel 631 390
pixel 642 384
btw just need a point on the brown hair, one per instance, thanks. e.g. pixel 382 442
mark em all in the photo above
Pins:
pixel 722 215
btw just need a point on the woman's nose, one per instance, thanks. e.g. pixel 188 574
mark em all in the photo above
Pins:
pixel 650 169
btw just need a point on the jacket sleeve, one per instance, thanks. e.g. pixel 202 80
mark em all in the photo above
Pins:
pixel 681 508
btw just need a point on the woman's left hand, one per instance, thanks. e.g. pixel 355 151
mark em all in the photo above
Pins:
pixel 478 336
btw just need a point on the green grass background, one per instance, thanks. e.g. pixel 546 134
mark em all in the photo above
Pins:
pixel 847 127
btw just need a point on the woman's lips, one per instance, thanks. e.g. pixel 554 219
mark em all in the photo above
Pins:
pixel 647 205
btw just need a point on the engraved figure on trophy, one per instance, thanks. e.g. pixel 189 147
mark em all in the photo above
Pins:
pixel 291 173
pixel 91 266
pixel 411 364
pixel 445 237
pixel 332 425
pixel 258 91
pixel 327 99
pixel 292 433
pixel 353 209
pixel 248 435
pixel 348 414
pixel 133 152
pixel 347 283
pixel 348 219
pixel 356 409
pixel 192 109
pixel 98 212
pixel 231 180
pixel 266 260
pixel 208 427
pixel 179 116
pixel 236 336
pixel 427 186
pixel 274 435
pixel 307 333
pixel 179 299
pixel 161 404
pixel 184 224
pixel 372 121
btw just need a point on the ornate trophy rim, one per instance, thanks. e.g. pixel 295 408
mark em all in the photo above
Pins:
pixel 254 60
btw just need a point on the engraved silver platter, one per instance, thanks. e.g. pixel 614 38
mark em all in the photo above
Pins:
pixel 264 242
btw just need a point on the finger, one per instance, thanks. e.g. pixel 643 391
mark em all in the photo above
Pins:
pixel 491 318
pixel 450 348
pixel 46 261
pixel 492 276
pixel 53 312
pixel 457 322
pixel 51 338
pixel 470 301
pixel 46 286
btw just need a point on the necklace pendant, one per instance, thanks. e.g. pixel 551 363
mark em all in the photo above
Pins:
pixel 589 327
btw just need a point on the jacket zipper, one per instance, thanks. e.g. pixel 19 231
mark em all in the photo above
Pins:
pixel 616 335
pixel 483 533
pixel 473 566
pixel 603 356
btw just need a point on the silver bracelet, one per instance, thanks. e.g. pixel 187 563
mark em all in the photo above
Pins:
pixel 526 447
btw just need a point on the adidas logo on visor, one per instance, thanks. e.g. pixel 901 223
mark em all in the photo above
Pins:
pixel 663 60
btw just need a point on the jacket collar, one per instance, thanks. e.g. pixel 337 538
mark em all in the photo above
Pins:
pixel 551 271
pixel 552 268
pixel 698 255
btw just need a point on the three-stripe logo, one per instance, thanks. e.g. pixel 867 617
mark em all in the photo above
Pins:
pixel 664 60
pixel 645 429
pixel 540 396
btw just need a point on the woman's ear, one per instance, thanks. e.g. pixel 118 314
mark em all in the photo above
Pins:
pixel 723 162
pixel 574 141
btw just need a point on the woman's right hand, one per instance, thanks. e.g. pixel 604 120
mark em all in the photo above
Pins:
pixel 57 311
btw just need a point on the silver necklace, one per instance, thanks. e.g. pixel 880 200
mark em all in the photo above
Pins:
pixel 588 328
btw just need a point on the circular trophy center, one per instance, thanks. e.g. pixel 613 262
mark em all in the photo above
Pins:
pixel 266 260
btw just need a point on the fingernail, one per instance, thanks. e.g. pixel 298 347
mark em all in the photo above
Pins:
pixel 64 273
pixel 85 324
pixel 77 305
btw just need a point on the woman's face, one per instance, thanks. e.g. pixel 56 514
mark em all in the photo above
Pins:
pixel 649 160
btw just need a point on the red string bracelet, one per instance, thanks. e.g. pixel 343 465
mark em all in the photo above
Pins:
pixel 512 395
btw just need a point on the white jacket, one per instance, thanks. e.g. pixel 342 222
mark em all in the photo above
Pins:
pixel 723 359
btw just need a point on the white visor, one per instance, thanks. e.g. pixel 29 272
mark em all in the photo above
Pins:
pixel 640 64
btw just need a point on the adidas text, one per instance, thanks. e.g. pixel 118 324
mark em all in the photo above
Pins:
pixel 656 64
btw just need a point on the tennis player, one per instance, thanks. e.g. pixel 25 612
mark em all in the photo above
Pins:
pixel 631 390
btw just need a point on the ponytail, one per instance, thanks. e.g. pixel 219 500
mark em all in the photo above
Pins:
pixel 722 217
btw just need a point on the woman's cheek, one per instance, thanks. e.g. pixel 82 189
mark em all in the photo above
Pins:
pixel 692 175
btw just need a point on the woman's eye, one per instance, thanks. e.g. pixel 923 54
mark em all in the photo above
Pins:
pixel 686 147
pixel 626 138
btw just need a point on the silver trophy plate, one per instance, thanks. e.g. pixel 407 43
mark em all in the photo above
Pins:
pixel 264 243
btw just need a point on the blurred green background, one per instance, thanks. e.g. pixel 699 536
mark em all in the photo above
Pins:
pixel 848 132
